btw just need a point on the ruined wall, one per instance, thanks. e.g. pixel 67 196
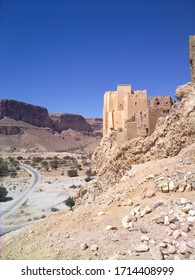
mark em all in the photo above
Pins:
pixel 135 102
pixel 192 57
pixel 142 121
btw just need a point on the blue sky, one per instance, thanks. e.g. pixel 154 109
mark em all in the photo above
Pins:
pixel 64 54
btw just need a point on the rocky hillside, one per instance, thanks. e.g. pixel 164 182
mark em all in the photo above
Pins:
pixel 141 204
pixel 172 134
pixel 149 214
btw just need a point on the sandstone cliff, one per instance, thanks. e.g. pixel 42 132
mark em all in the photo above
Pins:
pixel 69 121
pixel 27 127
pixel 172 134
pixel 39 116
pixel 95 123
pixel 28 113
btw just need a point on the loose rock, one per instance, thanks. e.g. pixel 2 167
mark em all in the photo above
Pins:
pixel 171 249
pixel 156 253
pixel 141 248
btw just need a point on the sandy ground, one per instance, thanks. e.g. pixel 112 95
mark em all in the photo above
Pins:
pixel 53 189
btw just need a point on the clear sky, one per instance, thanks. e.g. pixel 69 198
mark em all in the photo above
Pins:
pixel 64 54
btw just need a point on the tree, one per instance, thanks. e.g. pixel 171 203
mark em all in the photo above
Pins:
pixel 70 202
pixel 4 171
pixel 72 173
pixel 3 193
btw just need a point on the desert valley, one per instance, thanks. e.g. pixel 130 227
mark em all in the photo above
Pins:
pixel 129 178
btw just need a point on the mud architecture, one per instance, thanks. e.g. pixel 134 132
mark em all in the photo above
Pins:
pixel 132 113
pixel 192 57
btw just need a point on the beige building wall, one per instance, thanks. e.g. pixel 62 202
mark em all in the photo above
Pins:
pixel 132 112
pixel 135 102
pixel 192 57
pixel 120 106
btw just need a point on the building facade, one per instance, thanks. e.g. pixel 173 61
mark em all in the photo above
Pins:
pixel 132 113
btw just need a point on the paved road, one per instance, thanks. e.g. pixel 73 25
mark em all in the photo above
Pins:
pixel 7 229
pixel 23 197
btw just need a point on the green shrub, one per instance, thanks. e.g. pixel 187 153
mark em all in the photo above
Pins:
pixel 54 209
pixel 20 158
pixel 37 159
pixel 79 167
pixel 54 164
pixel 72 173
pixel 73 187
pixel 88 179
pixel 43 216
pixel 70 202
pixel 13 174
pixel 3 193
pixel 4 171
pixel 89 173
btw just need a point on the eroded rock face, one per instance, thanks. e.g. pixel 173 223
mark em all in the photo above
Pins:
pixel 39 116
pixel 173 132
pixel 95 123
pixel 28 113
pixel 65 121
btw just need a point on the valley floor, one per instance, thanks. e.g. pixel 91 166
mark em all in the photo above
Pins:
pixel 150 214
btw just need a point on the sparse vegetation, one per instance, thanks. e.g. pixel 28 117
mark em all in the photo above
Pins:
pixel 70 202
pixel 3 194
pixel 54 209
pixel 74 186
pixel 43 216
pixel 72 173
pixel 20 158
pixel 9 167
pixel 88 179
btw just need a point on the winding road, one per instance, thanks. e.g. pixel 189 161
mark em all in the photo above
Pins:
pixel 16 203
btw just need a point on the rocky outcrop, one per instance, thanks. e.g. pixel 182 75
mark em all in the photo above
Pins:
pixel 95 123
pixel 39 116
pixel 69 121
pixel 172 134
pixel 10 130
pixel 28 113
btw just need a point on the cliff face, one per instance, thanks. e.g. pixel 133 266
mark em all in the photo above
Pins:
pixel 28 113
pixel 38 116
pixel 65 121
pixel 95 123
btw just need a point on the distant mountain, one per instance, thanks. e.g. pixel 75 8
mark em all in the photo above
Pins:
pixel 27 126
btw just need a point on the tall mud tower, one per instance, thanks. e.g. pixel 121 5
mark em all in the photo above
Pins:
pixel 192 57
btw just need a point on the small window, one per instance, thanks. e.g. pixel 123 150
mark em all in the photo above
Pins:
pixel 147 131
pixel 157 101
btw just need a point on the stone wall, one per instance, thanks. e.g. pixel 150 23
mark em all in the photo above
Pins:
pixel 192 57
